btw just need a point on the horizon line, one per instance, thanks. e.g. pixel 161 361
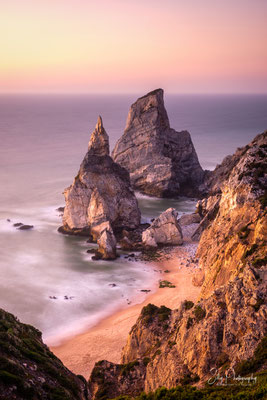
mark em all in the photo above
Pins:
pixel 127 93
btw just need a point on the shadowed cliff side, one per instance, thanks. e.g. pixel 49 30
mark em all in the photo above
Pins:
pixel 28 369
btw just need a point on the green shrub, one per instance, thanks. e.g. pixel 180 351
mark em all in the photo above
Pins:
pixel 188 304
pixel 126 368
pixel 199 313
pixel 164 284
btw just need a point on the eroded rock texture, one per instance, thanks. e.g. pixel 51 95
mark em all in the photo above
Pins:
pixel 161 161
pixel 229 322
pixel 101 193
pixel 164 230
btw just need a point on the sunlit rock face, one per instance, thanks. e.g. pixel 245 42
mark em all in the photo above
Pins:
pixel 235 222
pixel 227 327
pixel 165 230
pixel 101 192
pixel 161 161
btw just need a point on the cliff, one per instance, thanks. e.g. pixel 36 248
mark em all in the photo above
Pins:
pixel 28 370
pixel 161 161
pixel 226 328
pixel 236 234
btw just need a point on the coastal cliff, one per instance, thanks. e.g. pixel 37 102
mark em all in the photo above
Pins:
pixel 161 161
pixel 28 369
pixel 100 200
pixel 226 327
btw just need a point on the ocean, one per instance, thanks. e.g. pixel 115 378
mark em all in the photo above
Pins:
pixel 43 141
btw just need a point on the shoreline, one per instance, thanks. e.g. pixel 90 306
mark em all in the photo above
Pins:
pixel 106 339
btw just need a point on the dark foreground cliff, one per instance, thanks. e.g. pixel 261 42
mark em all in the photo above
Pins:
pixel 28 370
pixel 225 329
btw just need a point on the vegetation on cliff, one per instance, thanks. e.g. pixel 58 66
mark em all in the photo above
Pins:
pixel 28 369
pixel 225 329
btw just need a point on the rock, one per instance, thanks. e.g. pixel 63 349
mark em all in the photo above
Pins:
pixel 189 219
pixel 162 162
pixel 107 242
pixel 126 244
pixel 60 209
pixel 227 326
pixel 198 278
pixel 100 190
pixel 165 230
pixel 27 363
pixel 235 232
pixel 91 251
pixel 17 224
pixel 100 201
pixel 25 227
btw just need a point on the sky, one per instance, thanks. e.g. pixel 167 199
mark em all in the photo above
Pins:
pixel 128 46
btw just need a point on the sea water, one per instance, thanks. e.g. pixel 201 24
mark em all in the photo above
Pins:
pixel 47 279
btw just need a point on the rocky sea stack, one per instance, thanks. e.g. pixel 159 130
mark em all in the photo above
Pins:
pixel 100 200
pixel 161 161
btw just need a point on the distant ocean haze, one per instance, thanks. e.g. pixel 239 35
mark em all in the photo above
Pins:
pixel 43 141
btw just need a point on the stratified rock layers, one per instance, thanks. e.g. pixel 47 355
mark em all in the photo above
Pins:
pixel 100 193
pixel 161 161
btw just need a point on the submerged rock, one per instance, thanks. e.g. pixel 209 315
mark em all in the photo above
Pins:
pixel 25 227
pixel 101 193
pixel 165 230
pixel 162 162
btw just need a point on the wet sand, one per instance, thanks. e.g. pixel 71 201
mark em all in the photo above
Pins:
pixel 107 338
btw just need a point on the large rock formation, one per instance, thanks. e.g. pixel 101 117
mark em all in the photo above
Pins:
pixel 237 230
pixel 28 369
pixel 226 328
pixel 164 230
pixel 101 193
pixel 161 161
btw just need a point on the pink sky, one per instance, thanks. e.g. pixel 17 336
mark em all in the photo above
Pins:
pixel 118 46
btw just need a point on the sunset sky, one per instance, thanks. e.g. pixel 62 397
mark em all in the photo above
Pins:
pixel 120 46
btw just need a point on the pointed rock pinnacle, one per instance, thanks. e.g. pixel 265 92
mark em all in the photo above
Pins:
pixel 99 142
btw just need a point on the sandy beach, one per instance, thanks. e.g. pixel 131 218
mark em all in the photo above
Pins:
pixel 107 338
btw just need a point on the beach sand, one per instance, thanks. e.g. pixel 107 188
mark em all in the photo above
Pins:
pixel 107 338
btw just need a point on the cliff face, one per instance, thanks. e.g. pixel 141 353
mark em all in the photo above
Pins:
pixel 28 370
pixel 230 320
pixel 161 161
pixel 236 236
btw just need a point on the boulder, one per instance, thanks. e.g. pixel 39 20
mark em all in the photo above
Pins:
pixel 189 219
pixel 165 230
pixel 161 161
pixel 107 242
